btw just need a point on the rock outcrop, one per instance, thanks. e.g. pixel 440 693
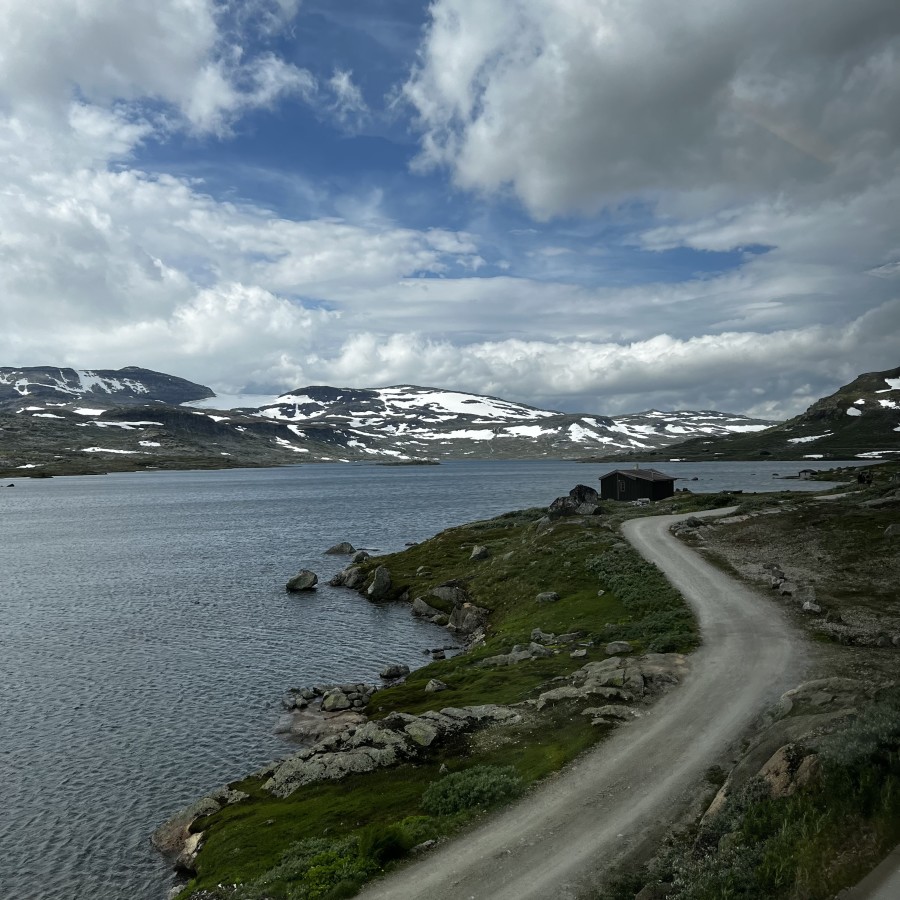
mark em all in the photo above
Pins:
pixel 397 738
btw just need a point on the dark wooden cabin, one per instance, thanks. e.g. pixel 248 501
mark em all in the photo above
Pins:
pixel 636 484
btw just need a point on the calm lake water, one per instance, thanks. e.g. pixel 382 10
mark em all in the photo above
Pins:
pixel 146 636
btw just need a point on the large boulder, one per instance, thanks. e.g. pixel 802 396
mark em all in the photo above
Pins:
pixel 344 547
pixel 547 597
pixel 381 584
pixel 395 670
pixel 479 552
pixel 304 580
pixel 581 501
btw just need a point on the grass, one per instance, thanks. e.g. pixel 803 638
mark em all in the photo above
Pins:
pixel 807 846
pixel 606 591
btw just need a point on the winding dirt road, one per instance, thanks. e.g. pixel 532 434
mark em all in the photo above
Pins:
pixel 622 795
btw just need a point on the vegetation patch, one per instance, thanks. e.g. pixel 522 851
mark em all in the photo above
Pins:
pixel 806 846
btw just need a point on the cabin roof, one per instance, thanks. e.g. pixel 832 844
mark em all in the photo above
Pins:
pixel 643 474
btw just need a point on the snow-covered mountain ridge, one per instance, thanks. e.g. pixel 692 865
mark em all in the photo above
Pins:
pixel 57 419
pixel 412 422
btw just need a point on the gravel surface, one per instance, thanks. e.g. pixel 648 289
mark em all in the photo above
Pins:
pixel 617 800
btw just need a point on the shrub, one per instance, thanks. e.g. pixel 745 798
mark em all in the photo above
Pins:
pixel 478 787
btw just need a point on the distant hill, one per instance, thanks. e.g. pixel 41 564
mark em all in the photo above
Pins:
pixel 861 419
pixel 56 420
pixel 93 387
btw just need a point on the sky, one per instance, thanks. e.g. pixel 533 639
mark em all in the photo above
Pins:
pixel 586 205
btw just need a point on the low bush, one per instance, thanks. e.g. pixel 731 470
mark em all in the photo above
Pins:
pixel 477 788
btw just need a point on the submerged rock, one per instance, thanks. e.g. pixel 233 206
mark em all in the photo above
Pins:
pixel 344 547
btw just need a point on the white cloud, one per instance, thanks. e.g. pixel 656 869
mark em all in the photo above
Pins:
pixel 170 51
pixel 349 105
pixel 574 104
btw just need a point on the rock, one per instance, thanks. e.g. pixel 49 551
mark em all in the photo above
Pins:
pixel 396 670
pixel 581 501
pixel 569 637
pixel 381 584
pixel 547 597
pixel 892 531
pixel 335 700
pixel 813 608
pixel 351 577
pixel 578 654
pixel 359 556
pixel 421 608
pixel 169 839
pixel 788 769
pixel 344 547
pixel 186 860
pixel 787 589
pixel 479 552
pixel 617 647
pixel 421 733
pixel 304 580
pixel 467 619
pixel 451 592
pixel 539 651
pixel 542 636
pixel 434 686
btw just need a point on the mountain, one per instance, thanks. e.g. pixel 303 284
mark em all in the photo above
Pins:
pixel 56 420
pixel 860 419
pixel 101 387
pixel 409 421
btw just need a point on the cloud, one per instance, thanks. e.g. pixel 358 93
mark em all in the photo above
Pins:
pixel 573 105
pixel 349 105
pixel 167 51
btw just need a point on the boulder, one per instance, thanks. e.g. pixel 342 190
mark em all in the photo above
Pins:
pixel 451 592
pixel 359 556
pixel 787 589
pixel 351 577
pixel 467 619
pixel 421 608
pixel 788 769
pixel 616 648
pixel 304 580
pixel 380 585
pixel 580 501
pixel 396 670
pixel 335 700
pixel 547 597
pixel 434 686
pixel 812 608
pixel 479 552
pixel 344 547
pixel 578 654
pixel 892 531
pixel 542 636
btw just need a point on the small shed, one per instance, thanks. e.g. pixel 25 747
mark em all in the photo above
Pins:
pixel 806 474
pixel 636 484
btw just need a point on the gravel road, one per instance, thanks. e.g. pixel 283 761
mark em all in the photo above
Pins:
pixel 621 796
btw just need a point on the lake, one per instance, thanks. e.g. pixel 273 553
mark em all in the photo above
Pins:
pixel 146 637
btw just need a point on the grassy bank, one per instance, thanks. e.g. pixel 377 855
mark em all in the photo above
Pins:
pixel 325 839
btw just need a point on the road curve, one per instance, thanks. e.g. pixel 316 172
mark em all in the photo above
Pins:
pixel 624 793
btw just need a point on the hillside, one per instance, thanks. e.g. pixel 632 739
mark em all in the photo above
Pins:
pixel 860 419
pixel 67 421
